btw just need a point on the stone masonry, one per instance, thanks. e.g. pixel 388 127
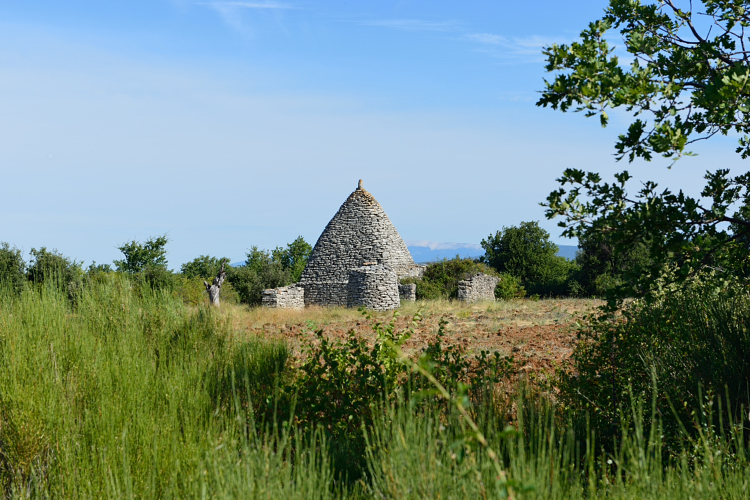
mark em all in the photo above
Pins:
pixel 374 286
pixel 476 288
pixel 286 297
pixel 359 233
pixel 408 292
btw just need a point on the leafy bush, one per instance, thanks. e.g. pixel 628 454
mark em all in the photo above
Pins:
pixel 203 267
pixel 527 253
pixel 140 256
pixel 294 257
pixel 259 273
pixel 192 291
pixel 51 268
pixel 683 343
pixel 603 267
pixel 440 279
pixel 509 287
pixel 147 263
pixel 263 269
pixel 340 384
pixel 158 278
pixel 12 268
pixel 95 268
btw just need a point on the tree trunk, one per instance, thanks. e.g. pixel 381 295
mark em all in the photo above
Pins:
pixel 215 290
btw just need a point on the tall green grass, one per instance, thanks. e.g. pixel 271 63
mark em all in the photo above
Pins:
pixel 127 393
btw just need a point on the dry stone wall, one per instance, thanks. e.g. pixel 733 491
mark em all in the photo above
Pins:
pixel 374 286
pixel 408 292
pixel 359 233
pixel 286 297
pixel 478 287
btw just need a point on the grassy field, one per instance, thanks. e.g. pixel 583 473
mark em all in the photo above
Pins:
pixel 128 393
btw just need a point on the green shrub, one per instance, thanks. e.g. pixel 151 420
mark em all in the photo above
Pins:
pixel 509 287
pixel 259 273
pixel 95 269
pixel 50 268
pixel 204 267
pixel 527 253
pixel 340 384
pixel 602 268
pixel 263 269
pixel 691 342
pixel 294 257
pixel 12 268
pixel 192 291
pixel 140 256
pixel 156 278
pixel 440 279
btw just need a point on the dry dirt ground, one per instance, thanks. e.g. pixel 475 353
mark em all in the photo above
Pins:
pixel 538 333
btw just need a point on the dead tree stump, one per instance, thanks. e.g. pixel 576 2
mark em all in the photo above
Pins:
pixel 214 290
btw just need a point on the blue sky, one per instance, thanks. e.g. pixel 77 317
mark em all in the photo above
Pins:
pixel 227 124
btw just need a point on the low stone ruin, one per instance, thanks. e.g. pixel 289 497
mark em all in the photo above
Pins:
pixel 286 297
pixel 408 292
pixel 478 287
pixel 374 286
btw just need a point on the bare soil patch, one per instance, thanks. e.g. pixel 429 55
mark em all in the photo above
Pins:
pixel 540 334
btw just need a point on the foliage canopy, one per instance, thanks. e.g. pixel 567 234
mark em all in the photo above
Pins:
pixel 689 74
pixel 689 77
pixel 139 256
pixel 526 252
pixel 294 257
pixel 204 267
pixel 12 268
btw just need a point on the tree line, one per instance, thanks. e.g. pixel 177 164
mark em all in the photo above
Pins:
pixel 523 257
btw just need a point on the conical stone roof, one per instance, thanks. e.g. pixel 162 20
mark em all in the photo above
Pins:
pixel 359 233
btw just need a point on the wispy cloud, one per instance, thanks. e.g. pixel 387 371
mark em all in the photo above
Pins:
pixel 486 38
pixel 437 245
pixel 231 12
pixel 527 48
pixel 413 24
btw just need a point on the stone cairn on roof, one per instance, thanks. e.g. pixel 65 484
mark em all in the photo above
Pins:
pixel 359 233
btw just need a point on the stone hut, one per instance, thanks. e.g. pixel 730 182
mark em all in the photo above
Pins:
pixel 358 236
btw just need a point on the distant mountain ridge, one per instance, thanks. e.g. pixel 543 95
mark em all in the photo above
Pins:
pixel 423 254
